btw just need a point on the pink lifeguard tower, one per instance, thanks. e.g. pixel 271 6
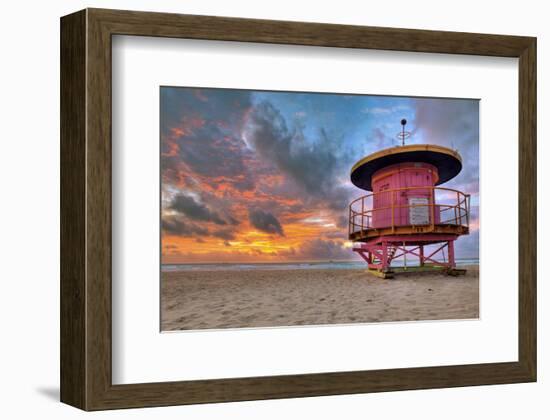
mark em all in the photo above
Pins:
pixel 406 210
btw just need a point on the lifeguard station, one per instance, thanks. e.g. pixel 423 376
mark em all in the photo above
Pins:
pixel 407 210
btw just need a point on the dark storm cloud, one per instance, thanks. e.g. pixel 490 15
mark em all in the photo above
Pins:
pixel 314 166
pixel 194 210
pixel 265 222
pixel 180 226
pixel 176 225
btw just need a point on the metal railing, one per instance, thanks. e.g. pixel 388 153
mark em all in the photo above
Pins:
pixel 445 206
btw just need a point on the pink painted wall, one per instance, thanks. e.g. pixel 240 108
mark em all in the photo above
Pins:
pixel 413 174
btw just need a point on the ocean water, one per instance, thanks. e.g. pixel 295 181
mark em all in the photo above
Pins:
pixel 334 265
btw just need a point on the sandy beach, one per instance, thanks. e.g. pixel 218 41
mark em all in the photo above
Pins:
pixel 266 298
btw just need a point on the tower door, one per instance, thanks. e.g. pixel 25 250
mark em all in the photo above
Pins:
pixel 381 216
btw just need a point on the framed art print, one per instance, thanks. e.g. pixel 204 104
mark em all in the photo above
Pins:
pixel 261 227
pixel 262 209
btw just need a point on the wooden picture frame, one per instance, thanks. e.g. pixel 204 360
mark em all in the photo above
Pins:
pixel 86 209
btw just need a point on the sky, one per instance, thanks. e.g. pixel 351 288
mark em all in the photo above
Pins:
pixel 263 176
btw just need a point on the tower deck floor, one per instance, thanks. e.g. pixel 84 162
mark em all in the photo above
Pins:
pixel 434 233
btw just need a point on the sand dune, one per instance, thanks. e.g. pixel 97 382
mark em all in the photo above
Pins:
pixel 266 298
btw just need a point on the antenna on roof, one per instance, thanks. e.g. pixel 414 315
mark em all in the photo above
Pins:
pixel 403 134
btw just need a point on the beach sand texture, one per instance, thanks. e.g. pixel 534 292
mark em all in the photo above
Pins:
pixel 193 300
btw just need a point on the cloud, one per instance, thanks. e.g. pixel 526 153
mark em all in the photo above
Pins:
pixel 376 111
pixel 231 220
pixel 211 153
pixel 200 134
pixel 381 139
pixel 225 234
pixel 265 222
pixel 381 110
pixel 218 105
pixel 452 123
pixel 467 246
pixel 340 234
pixel 314 165
pixel 320 249
pixel 194 210
pixel 176 225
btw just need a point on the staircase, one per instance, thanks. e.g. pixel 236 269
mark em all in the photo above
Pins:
pixel 392 250
pixel 391 253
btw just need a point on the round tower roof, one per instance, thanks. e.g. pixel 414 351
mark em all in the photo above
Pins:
pixel 447 161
